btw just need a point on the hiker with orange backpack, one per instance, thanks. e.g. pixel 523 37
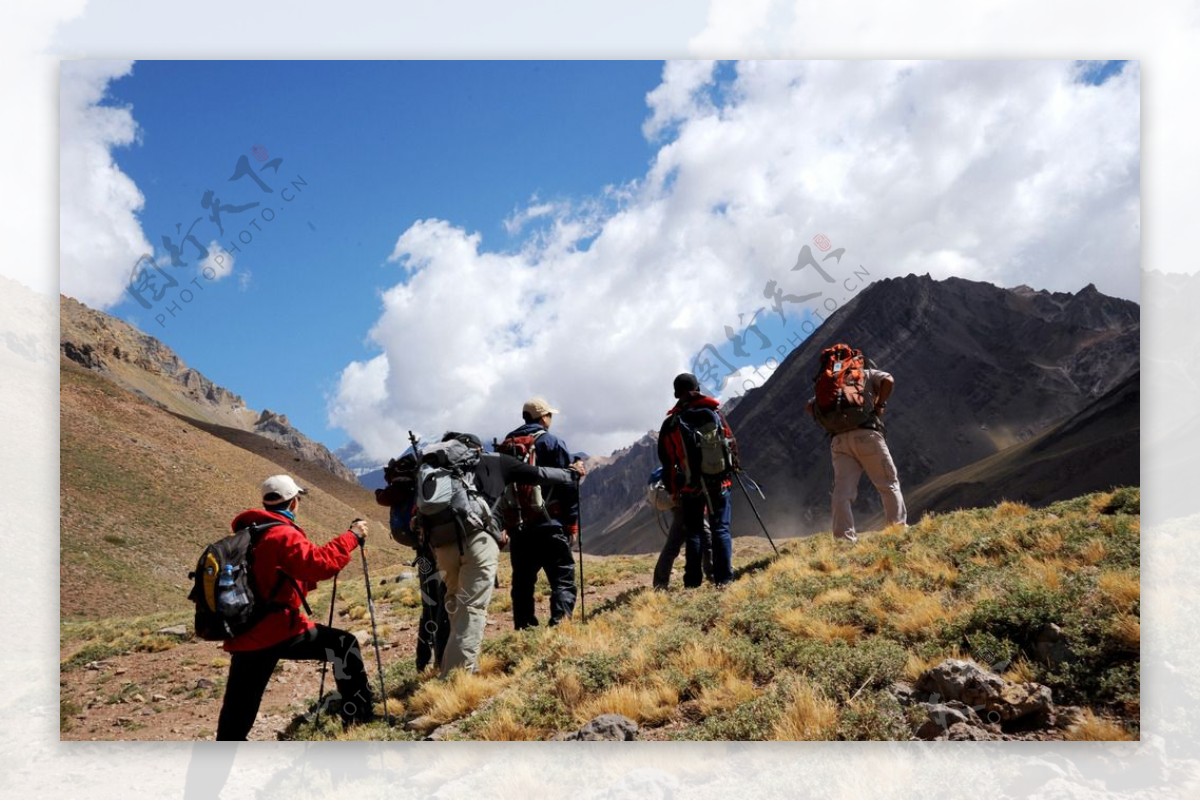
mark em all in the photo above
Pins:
pixel 542 524
pixel 849 400
pixel 699 456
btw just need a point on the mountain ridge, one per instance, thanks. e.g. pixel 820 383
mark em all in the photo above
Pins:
pixel 978 369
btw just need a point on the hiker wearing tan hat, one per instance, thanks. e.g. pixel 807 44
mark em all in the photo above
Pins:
pixel 541 525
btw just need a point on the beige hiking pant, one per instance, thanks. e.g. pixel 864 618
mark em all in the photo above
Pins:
pixel 853 453
pixel 470 577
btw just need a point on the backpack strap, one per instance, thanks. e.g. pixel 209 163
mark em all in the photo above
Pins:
pixel 256 532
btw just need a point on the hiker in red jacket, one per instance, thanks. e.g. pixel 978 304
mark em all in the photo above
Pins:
pixel 286 566
pixel 699 454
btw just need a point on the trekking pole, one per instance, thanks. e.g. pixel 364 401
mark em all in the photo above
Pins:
pixel 579 522
pixel 362 549
pixel 738 476
pixel 325 663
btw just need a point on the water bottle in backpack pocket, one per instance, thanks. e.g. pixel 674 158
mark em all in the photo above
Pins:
pixel 223 589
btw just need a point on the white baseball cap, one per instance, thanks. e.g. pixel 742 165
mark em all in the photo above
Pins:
pixel 278 489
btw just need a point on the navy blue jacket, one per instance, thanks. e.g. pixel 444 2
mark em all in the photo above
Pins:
pixel 553 452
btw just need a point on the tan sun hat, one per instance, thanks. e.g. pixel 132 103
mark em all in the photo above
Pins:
pixel 537 407
pixel 278 489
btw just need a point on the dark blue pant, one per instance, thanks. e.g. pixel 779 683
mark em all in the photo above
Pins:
pixel 545 547
pixel 676 537
pixel 694 507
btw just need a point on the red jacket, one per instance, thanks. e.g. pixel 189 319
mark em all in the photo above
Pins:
pixel 287 548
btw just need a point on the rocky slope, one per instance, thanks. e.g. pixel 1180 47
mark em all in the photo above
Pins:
pixel 148 368
pixel 978 369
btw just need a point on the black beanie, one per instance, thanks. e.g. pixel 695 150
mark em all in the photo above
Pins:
pixel 685 383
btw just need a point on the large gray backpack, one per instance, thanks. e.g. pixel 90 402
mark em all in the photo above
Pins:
pixel 448 506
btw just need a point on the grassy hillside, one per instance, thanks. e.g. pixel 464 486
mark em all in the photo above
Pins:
pixel 143 491
pixel 810 645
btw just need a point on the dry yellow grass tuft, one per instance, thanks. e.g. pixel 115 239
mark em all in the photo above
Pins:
pixel 462 692
pixel 799 622
pixel 596 637
pixel 504 725
pixel 1049 542
pixel 789 566
pixel 1046 573
pixel 1021 671
pixel 1127 630
pixel 568 687
pixel 1011 509
pixel 649 610
pixel 1092 727
pixel 489 665
pixel 395 708
pixel 732 691
pixel 694 658
pixel 883 565
pixel 652 705
pixel 841 595
pixel 926 615
pixel 1121 588
pixel 1093 551
pixel 931 566
pixel 809 715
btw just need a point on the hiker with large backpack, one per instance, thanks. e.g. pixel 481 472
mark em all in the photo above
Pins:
pixel 543 525
pixel 661 502
pixel 444 500
pixel 400 494
pixel 699 456
pixel 249 589
pixel 849 399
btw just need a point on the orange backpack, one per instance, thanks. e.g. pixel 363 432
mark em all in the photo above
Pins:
pixel 840 389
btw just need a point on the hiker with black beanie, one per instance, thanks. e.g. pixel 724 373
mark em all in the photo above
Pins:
pixel 287 566
pixel 698 455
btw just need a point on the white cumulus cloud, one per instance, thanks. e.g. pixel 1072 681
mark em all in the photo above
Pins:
pixel 1010 172
pixel 100 237
pixel 217 261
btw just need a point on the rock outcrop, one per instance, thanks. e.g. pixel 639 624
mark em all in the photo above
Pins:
pixel 142 364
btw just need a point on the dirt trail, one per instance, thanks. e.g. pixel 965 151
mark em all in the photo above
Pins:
pixel 176 694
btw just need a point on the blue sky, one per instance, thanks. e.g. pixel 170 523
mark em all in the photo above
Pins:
pixel 380 145
pixel 444 239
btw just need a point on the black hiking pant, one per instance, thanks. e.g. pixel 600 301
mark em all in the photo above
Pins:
pixel 434 628
pixel 249 672
pixel 546 548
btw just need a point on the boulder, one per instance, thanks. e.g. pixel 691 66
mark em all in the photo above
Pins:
pixel 994 700
pixel 940 717
pixel 174 631
pixel 606 727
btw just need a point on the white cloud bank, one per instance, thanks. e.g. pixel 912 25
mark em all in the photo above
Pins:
pixel 100 238
pixel 1009 172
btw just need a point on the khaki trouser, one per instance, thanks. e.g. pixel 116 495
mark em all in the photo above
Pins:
pixel 853 453
pixel 470 578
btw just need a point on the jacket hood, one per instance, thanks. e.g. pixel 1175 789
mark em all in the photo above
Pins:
pixel 695 400
pixel 526 430
pixel 251 516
